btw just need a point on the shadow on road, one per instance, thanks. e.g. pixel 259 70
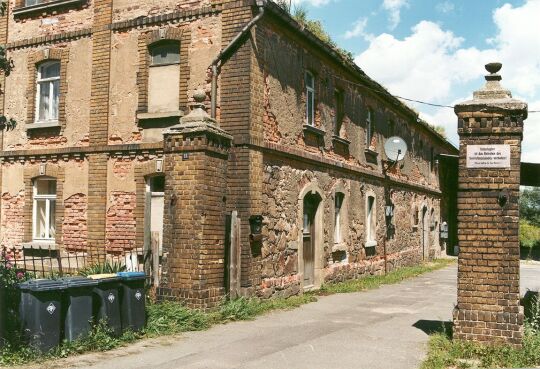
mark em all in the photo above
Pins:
pixel 434 326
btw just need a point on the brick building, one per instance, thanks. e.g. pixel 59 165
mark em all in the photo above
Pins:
pixel 298 139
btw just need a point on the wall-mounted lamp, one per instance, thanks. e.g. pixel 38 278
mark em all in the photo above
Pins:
pixel 255 226
pixel 389 211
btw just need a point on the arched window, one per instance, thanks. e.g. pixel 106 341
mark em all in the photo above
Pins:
pixel 44 209
pixel 338 217
pixel 47 91
pixel 371 221
pixel 164 77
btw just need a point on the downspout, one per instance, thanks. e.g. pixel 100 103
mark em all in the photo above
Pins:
pixel 219 60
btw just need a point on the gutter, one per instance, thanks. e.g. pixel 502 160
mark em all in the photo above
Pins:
pixel 220 59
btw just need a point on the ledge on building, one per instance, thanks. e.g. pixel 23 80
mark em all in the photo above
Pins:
pixel 313 136
pixel 371 243
pixel 340 145
pixel 39 245
pixel 371 155
pixel 41 125
pixel 46 7
pixel 158 119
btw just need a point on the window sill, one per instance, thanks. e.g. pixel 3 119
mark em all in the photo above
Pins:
pixel 314 130
pixel 40 245
pixel 371 243
pixel 371 152
pixel 340 140
pixel 145 116
pixel 40 125
pixel 47 7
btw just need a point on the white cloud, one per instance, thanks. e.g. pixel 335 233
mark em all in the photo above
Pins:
pixel 316 3
pixel 431 64
pixel 359 30
pixel 445 7
pixel 394 9
pixel 425 65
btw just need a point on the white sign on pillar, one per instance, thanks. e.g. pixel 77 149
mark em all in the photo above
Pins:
pixel 488 156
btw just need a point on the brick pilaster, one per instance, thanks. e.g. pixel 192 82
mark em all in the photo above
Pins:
pixel 488 302
pixel 99 122
pixel 196 154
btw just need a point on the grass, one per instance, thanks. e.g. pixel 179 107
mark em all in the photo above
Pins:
pixel 443 353
pixel 169 318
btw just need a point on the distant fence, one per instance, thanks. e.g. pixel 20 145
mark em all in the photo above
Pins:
pixel 47 262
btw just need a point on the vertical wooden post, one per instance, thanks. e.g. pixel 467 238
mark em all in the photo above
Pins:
pixel 235 256
pixel 155 258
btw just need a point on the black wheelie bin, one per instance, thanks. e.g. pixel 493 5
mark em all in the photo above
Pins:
pixel 107 301
pixel 132 300
pixel 78 307
pixel 40 312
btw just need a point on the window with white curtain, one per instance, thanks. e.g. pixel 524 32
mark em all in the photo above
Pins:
pixel 48 91
pixel 44 209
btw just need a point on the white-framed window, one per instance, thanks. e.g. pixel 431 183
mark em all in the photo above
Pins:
pixel 339 111
pixel 48 91
pixel 310 98
pixel 44 209
pixel 371 222
pixel 369 127
pixel 164 77
pixel 338 217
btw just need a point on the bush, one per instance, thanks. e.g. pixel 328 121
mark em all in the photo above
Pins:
pixel 529 234
pixel 106 267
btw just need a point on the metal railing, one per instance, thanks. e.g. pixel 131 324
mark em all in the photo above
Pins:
pixel 47 262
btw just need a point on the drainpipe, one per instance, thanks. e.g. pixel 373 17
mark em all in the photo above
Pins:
pixel 219 60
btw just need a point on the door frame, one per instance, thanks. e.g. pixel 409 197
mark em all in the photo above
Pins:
pixel 318 237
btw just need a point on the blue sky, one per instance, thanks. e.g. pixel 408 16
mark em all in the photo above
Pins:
pixel 435 50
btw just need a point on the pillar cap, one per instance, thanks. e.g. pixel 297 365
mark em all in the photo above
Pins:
pixel 492 97
pixel 198 119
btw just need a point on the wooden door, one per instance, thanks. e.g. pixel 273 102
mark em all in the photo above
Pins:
pixel 310 210
pixel 425 233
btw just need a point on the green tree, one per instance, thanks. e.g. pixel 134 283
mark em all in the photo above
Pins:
pixel 529 205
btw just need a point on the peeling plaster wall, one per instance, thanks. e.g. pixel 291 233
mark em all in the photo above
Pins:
pixel 285 110
pixel 75 227
pixel 123 89
pixel 77 108
pixel 37 26
pixel 12 220
pixel 205 46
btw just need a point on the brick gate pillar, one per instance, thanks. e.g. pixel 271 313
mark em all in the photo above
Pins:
pixel 491 130
pixel 196 154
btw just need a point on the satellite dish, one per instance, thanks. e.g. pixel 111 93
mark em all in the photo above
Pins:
pixel 395 148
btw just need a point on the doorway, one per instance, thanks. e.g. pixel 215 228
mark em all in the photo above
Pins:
pixel 311 206
pixel 425 232
pixel 155 205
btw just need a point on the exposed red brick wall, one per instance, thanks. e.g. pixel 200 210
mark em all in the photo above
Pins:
pixel 75 229
pixel 121 222
pixel 12 219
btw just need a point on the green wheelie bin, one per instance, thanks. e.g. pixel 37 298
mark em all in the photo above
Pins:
pixel 132 300
pixel 40 312
pixel 107 301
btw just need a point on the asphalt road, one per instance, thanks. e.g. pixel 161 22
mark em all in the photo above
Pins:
pixel 385 328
